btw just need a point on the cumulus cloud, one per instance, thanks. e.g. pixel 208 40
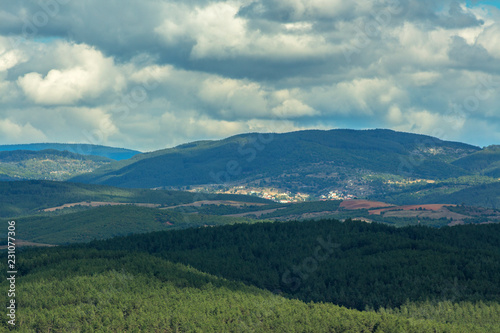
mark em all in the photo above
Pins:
pixel 216 31
pixel 13 133
pixel 83 73
pixel 155 74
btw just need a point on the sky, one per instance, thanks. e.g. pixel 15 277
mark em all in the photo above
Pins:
pixel 153 74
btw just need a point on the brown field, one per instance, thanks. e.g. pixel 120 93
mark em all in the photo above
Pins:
pixel 217 202
pixel 362 204
pixel 21 243
pixel 256 213
pixel 97 204
pixel 432 207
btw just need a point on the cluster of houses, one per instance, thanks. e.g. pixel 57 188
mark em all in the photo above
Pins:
pixel 333 195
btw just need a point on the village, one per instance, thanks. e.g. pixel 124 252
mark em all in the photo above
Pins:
pixel 273 194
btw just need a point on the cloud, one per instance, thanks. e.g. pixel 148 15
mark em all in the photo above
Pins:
pixel 84 73
pixel 14 133
pixel 159 73
pixel 216 31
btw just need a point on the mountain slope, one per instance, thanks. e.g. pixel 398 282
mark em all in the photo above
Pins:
pixel 48 164
pixel 486 195
pixel 110 221
pixel 289 156
pixel 354 264
pixel 486 161
pixel 79 148
pixel 28 197
pixel 83 290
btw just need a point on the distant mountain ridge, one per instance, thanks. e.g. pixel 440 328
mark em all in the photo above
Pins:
pixel 116 154
pixel 296 158
pixel 49 164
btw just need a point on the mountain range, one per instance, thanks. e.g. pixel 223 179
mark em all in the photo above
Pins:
pixel 397 167
pixel 305 159
pixel 76 148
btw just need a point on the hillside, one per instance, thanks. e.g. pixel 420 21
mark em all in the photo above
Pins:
pixel 473 191
pixel 354 264
pixel 47 164
pixel 84 290
pixel 79 148
pixel 486 162
pixel 29 197
pixel 110 221
pixel 310 161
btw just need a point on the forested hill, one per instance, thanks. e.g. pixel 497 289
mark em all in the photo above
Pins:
pixel 411 280
pixel 79 148
pixel 29 197
pixel 49 164
pixel 287 157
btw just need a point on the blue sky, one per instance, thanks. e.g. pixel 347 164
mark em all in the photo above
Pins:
pixel 148 75
pixel 473 3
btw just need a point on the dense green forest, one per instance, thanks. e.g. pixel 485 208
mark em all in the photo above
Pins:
pixel 353 264
pixel 95 288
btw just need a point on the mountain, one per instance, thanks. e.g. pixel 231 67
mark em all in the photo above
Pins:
pixel 486 161
pixel 117 154
pixel 310 161
pixel 48 164
pixel 486 195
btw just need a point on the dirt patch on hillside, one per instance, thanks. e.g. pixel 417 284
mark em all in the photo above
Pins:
pixel 22 243
pixel 217 202
pixel 97 204
pixel 362 204
pixel 430 207
pixel 257 213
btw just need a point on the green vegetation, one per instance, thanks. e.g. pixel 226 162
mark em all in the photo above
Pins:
pixel 298 209
pixel 353 264
pixel 110 221
pixel 257 157
pixel 402 280
pixel 283 211
pixel 84 290
pixel 228 209
pixel 486 162
pixel 28 197
pixel 47 164
pixel 453 191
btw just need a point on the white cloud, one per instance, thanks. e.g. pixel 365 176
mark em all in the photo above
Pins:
pixel 357 97
pixel 212 69
pixel 9 56
pixel 490 39
pixel 12 132
pixel 217 32
pixel 84 73
pixel 424 78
